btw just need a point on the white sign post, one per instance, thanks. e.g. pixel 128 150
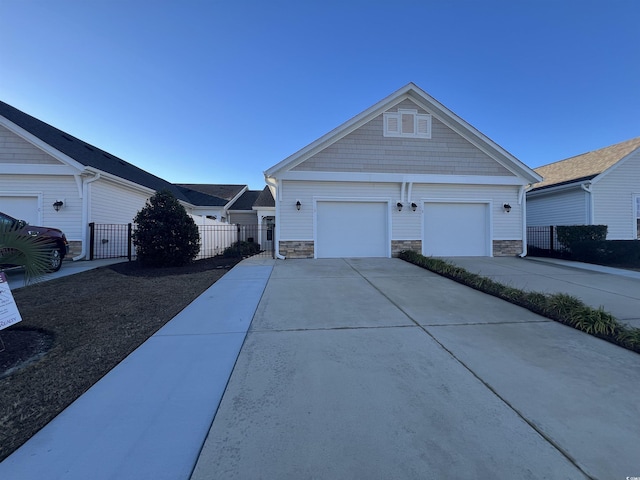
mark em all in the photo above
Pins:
pixel 9 313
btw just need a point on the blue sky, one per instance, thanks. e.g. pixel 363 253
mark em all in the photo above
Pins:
pixel 217 92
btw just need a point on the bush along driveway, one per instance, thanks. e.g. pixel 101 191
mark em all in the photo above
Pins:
pixel 560 307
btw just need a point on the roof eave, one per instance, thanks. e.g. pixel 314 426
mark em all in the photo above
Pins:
pixel 416 94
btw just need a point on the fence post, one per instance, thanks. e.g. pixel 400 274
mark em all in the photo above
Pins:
pixel 91 239
pixel 551 246
pixel 129 231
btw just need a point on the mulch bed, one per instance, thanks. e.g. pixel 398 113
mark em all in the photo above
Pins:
pixel 75 329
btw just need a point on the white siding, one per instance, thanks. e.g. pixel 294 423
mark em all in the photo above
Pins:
pixel 367 150
pixel 614 197
pixel 406 225
pixel 112 203
pixel 243 218
pixel 505 226
pixel 50 188
pixel 569 207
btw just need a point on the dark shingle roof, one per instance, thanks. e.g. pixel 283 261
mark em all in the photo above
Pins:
pixel 246 200
pixel 217 190
pixel 585 166
pixel 91 156
pixel 265 199
pixel 202 199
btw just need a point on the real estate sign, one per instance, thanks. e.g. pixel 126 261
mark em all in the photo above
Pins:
pixel 9 313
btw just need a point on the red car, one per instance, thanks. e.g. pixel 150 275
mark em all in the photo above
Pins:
pixel 57 239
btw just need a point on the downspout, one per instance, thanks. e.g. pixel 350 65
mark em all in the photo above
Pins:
pixel 276 238
pixel 522 200
pixel 409 193
pixel 587 188
pixel 404 184
pixel 85 214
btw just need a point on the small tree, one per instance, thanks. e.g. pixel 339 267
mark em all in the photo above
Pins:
pixel 165 235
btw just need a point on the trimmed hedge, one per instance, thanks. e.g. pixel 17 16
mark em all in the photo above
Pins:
pixel 608 252
pixel 560 307
pixel 241 249
pixel 570 235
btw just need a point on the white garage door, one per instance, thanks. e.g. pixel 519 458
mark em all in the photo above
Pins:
pixel 22 208
pixel 456 229
pixel 351 229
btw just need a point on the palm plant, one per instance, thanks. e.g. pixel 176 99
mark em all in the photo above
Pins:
pixel 31 253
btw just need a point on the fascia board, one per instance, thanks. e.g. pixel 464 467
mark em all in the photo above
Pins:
pixel 559 188
pixel 616 165
pixel 473 135
pixel 45 147
pixel 339 132
pixel 401 177
pixel 442 113
pixel 230 203
pixel 37 169
pixel 121 181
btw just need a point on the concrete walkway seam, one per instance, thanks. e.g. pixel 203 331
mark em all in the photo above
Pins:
pixel 488 386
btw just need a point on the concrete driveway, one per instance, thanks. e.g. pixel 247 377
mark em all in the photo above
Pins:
pixel 377 369
pixel 617 291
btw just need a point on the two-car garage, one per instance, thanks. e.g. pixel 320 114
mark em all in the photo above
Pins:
pixel 363 229
pixel 405 174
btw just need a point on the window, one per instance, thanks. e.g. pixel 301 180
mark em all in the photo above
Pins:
pixel 407 123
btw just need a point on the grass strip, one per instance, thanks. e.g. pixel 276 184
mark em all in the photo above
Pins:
pixel 560 307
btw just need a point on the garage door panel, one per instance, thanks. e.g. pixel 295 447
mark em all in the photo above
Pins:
pixel 351 229
pixel 21 207
pixel 456 229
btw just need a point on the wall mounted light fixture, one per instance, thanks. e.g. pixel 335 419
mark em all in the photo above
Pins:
pixel 413 206
pixel 399 205
pixel 298 205
pixel 57 205
pixel 507 207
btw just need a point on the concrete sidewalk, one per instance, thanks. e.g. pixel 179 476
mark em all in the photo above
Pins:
pixel 616 290
pixel 361 368
pixel 15 276
pixel 378 369
pixel 148 417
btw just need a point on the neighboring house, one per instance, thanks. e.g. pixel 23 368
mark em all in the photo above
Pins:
pixel 252 209
pixel 406 173
pixel 244 206
pixel 41 165
pixel 229 193
pixel 596 188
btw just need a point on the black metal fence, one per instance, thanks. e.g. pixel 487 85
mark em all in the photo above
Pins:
pixel 115 240
pixel 543 241
pixel 109 240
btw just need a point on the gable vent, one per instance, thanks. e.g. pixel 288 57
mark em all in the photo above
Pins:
pixel 407 123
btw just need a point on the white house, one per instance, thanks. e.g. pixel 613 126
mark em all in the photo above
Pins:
pixel 42 166
pixel 596 188
pixel 407 173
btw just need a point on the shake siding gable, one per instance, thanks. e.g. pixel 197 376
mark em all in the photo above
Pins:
pixel 367 150
pixel 614 196
pixel 14 149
